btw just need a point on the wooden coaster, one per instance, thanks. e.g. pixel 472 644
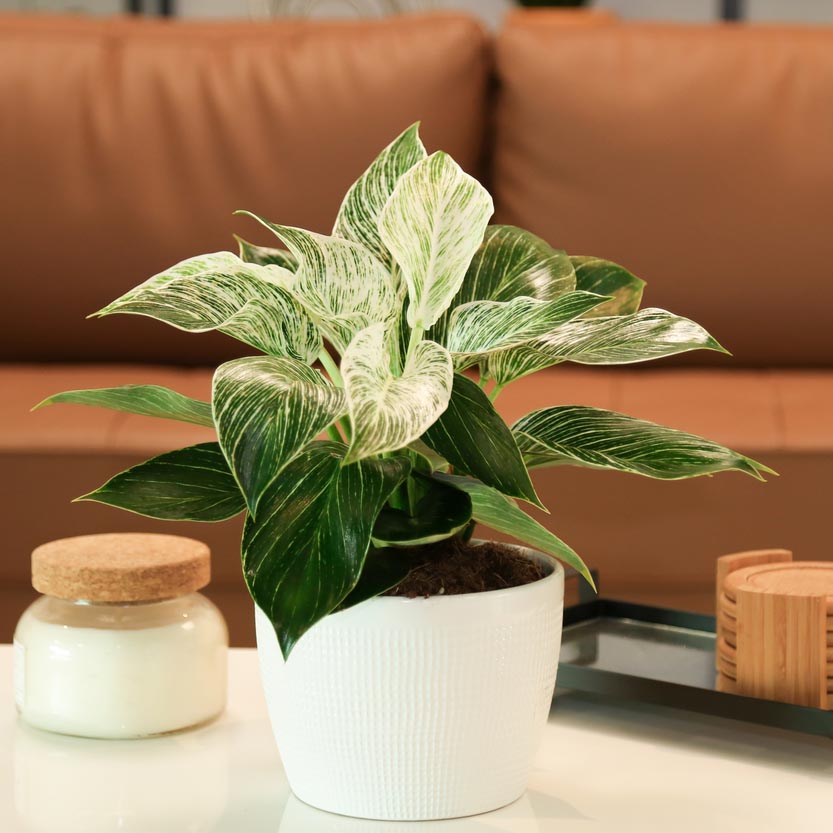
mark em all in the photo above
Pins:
pixel 796 578
pixel 728 653
pixel 735 561
pixel 727 668
pixel 729 612
pixel 729 633
pixel 728 685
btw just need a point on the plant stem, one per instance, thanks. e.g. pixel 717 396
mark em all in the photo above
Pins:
pixel 495 391
pixel 331 367
pixel 416 337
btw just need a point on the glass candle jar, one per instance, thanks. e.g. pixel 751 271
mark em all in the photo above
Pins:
pixel 120 645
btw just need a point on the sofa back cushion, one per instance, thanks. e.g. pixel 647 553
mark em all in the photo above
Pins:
pixel 127 144
pixel 699 157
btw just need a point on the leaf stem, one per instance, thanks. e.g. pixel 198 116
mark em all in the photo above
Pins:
pixel 332 433
pixel 331 367
pixel 416 337
pixel 495 391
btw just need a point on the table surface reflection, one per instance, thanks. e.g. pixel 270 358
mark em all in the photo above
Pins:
pixel 603 766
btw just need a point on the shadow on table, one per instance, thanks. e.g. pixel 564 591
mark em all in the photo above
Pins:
pixel 713 735
pixel 525 814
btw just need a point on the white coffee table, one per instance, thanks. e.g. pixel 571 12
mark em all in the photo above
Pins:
pixel 604 766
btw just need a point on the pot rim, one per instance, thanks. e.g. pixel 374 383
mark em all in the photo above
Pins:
pixel 556 569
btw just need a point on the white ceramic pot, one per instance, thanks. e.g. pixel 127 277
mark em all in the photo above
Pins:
pixel 415 709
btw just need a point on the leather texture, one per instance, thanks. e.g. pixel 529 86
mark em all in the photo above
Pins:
pixel 698 156
pixel 133 141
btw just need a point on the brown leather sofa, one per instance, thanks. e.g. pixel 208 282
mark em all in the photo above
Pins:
pixel 698 156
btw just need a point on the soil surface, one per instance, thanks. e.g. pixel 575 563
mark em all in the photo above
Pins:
pixel 452 567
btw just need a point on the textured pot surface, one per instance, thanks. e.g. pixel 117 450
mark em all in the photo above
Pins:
pixel 417 708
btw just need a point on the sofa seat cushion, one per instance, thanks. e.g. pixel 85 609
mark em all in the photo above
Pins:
pixel 652 541
pixel 751 410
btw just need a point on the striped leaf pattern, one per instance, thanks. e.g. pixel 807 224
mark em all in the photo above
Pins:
pixel 145 400
pixel 221 292
pixel 606 278
pixel 624 339
pixel 265 256
pixel 510 263
pixel 492 509
pixel 578 435
pixel 433 224
pixel 476 441
pixel 340 283
pixel 388 411
pixel 305 551
pixel 190 484
pixel 266 410
pixel 358 217
pixel 481 327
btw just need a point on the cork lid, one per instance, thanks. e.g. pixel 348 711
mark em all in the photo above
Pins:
pixel 121 567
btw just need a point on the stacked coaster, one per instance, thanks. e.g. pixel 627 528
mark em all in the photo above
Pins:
pixel 775 627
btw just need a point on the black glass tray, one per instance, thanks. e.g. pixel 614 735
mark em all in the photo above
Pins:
pixel 666 657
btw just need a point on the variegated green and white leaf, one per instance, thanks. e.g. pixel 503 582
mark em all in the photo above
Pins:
pixel 189 484
pixel 606 278
pixel 511 263
pixel 433 224
pixel 221 292
pixel 358 217
pixel 481 327
pixel 266 256
pixel 146 400
pixel 388 412
pixel 306 550
pixel 623 339
pixel 578 435
pixel 266 410
pixel 340 283
pixel 491 508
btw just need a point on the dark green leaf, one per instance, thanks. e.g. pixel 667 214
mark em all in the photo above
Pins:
pixel 267 409
pixel 146 400
pixel 578 435
pixel 491 508
pixel 441 512
pixel 191 484
pixel 476 441
pixel 306 550
pixel 383 569
pixel 606 278
pixel 265 256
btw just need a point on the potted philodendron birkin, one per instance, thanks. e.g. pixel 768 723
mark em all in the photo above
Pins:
pixel 390 703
